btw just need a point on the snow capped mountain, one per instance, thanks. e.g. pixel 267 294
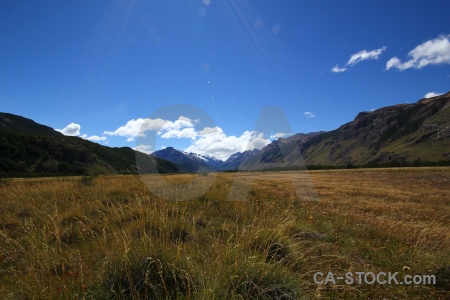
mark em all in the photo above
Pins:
pixel 210 160
pixel 193 161
pixel 204 157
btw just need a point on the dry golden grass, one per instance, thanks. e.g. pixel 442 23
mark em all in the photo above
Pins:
pixel 111 237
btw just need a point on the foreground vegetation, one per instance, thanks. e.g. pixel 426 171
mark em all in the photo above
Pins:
pixel 110 237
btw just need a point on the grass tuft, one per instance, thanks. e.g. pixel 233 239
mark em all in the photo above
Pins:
pixel 137 276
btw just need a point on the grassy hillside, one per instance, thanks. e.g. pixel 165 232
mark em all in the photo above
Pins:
pixel 409 132
pixel 404 134
pixel 14 124
pixel 31 149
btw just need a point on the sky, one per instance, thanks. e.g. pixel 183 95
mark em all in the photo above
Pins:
pixel 200 75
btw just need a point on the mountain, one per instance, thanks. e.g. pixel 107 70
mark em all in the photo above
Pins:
pixel 403 134
pixel 210 161
pixel 193 162
pixel 190 162
pixel 235 160
pixel 13 124
pixel 398 135
pixel 281 153
pixel 31 149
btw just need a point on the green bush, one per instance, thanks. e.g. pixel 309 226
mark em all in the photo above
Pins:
pixel 87 180
pixel 4 182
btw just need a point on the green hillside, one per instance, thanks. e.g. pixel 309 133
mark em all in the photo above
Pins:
pixel 404 134
pixel 30 149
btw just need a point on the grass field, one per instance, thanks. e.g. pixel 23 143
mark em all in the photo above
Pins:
pixel 111 237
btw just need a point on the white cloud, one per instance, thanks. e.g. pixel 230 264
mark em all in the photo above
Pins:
pixel 137 127
pixel 309 114
pixel 209 140
pixel 181 128
pixel 189 120
pixel 358 57
pixel 178 125
pixel 187 133
pixel 336 69
pixel 147 149
pixel 432 94
pixel 395 63
pixel 94 138
pixel 221 146
pixel 364 55
pixel 431 52
pixel 208 130
pixel 280 135
pixel 72 129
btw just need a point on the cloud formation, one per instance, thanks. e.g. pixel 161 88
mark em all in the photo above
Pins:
pixel 221 146
pixel 181 128
pixel 138 127
pixel 357 58
pixel 432 94
pixel 211 141
pixel 94 138
pixel 280 135
pixel 309 114
pixel 431 52
pixel 147 149
pixel 365 55
pixel 72 129
pixel 337 69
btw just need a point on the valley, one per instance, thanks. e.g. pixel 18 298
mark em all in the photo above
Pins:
pixel 110 236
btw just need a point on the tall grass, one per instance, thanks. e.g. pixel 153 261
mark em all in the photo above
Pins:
pixel 112 238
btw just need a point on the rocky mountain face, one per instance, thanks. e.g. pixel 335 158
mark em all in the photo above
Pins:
pixel 191 163
pixel 211 162
pixel 401 133
pixel 31 149
pixel 238 158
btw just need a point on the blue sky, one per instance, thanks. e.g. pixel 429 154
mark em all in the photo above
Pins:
pixel 106 66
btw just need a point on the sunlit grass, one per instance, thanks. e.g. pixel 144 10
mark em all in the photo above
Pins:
pixel 111 237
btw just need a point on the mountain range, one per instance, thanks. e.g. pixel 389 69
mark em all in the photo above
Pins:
pixel 31 149
pixel 403 134
pixel 398 135
pixel 193 162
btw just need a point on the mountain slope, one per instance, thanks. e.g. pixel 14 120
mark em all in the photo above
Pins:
pixel 401 133
pixel 193 162
pixel 237 159
pixel 210 161
pixel 395 135
pixel 10 123
pixel 189 162
pixel 32 149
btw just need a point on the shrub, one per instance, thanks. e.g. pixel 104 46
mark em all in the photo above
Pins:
pixel 87 180
pixel 4 182
pixel 259 280
pixel 443 278
pixel 150 277
pixel 270 244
